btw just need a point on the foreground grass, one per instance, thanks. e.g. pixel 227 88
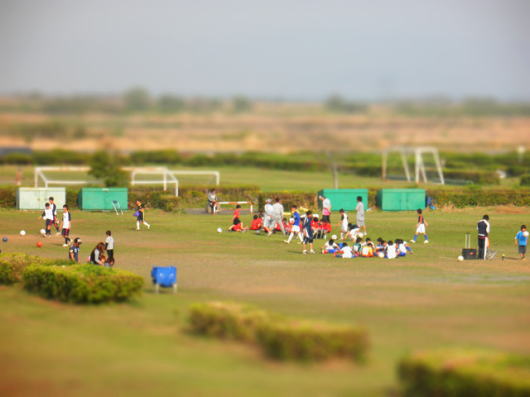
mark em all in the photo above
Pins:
pixel 423 301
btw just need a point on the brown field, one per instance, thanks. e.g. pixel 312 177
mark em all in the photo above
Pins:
pixel 273 129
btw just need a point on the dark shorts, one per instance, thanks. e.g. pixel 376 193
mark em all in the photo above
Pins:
pixel 65 232
pixel 522 249
pixel 49 222
pixel 237 221
pixel 110 255
pixel 140 217
pixel 325 218
pixel 309 239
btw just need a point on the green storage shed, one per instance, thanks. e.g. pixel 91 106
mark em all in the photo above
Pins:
pixel 344 198
pixel 101 199
pixel 401 199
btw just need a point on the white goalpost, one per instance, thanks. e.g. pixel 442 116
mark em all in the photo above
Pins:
pixel 419 163
pixel 167 176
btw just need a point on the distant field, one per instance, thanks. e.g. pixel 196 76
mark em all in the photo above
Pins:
pixel 425 300
pixel 266 179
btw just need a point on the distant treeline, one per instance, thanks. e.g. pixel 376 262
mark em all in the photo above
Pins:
pixel 477 168
pixel 139 100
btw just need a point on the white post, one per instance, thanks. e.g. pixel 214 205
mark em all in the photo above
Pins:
pixel 439 167
pixel 165 180
pixel 405 165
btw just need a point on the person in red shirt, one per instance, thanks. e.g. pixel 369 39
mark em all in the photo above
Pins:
pixel 237 225
pixel 257 223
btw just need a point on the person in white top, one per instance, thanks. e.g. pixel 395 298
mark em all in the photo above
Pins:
pixel 109 247
pixel 268 223
pixel 277 215
pixel 212 201
pixel 67 224
pixel 48 217
pixel 326 208
pixel 343 224
pixel 346 252
pixel 359 217
pixel 391 250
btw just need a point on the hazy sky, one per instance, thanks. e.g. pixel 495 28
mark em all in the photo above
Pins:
pixel 276 48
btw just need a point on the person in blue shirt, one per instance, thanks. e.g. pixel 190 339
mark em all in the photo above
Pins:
pixel 295 229
pixel 521 240
pixel 73 253
pixel 308 233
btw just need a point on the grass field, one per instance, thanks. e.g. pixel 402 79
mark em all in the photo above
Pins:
pixel 142 348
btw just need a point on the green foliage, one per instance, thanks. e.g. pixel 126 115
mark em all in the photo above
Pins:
pixel 155 157
pixel 136 99
pixel 241 104
pixel 310 341
pixel 525 180
pixel 279 338
pixel 13 264
pixel 8 197
pixel 471 197
pixel 338 104
pixel 478 177
pixel 465 373
pixel 106 167
pixel 82 283
pixel 170 104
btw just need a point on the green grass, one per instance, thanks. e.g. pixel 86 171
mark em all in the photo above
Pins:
pixel 427 300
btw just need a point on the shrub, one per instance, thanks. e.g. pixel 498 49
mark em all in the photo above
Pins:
pixel 525 180
pixel 278 337
pixel 227 320
pixel 82 283
pixel 12 265
pixel 309 341
pixel 470 197
pixel 478 177
pixel 465 373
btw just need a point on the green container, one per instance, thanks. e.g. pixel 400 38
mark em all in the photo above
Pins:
pixel 101 199
pixel 401 199
pixel 344 198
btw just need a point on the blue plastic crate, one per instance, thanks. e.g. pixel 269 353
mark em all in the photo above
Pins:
pixel 164 276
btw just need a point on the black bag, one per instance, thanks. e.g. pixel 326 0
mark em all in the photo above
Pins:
pixel 469 253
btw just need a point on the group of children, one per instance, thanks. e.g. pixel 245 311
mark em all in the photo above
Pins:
pixel 367 248
pixel 102 254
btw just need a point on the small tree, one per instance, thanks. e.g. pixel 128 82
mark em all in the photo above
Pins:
pixel 106 167
pixel 137 99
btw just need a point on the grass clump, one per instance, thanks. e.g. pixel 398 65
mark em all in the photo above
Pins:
pixel 12 265
pixel 465 373
pixel 279 338
pixel 82 283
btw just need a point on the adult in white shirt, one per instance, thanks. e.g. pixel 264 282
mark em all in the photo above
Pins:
pixel 360 214
pixel 268 222
pixel 326 208
pixel 277 214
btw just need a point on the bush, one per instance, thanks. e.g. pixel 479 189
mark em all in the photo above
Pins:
pixel 309 341
pixel 465 373
pixel 525 180
pixel 478 177
pixel 473 196
pixel 12 265
pixel 278 338
pixel 82 283
pixel 227 320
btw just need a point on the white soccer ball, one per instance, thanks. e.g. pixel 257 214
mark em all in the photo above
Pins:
pixel 219 230
pixel 460 258
pixel 360 234
pixel 22 232
pixel 334 237
pixel 380 255
pixel 526 234
pixel 42 231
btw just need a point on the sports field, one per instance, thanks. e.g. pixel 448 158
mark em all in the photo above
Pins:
pixel 425 300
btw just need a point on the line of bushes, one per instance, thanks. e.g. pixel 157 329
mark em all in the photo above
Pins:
pixel 472 197
pixel 82 283
pixel 279 338
pixel 464 373
pixel 12 265
pixel 68 282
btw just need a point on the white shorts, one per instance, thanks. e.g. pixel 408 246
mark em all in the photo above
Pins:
pixel 420 229
pixel 344 228
pixel 295 228
pixel 360 220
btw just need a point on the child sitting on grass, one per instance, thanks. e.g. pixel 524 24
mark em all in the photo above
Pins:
pixel 257 223
pixel 346 252
pixel 330 247
pixel 391 250
pixel 237 225
pixel 368 248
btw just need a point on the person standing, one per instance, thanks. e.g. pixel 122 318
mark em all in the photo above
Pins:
pixel 359 216
pixel 140 215
pixel 212 201
pixel 67 224
pixel 483 229
pixel 268 223
pixel 521 241
pixel 326 209
pixel 109 247
pixel 421 228
pixel 277 215
pixel 295 229
pixel 73 252
pixel 54 211
pixel 308 233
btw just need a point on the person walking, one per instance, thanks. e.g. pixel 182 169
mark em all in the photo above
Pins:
pixel 483 229
pixel 359 216
pixel 140 215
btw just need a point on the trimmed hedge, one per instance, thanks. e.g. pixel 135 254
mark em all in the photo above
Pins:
pixel 525 180
pixel 472 197
pixel 82 283
pixel 465 373
pixel 13 264
pixel 278 338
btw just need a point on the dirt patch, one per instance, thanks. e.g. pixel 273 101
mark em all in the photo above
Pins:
pixel 510 209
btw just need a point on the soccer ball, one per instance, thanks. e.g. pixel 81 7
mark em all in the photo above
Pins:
pixel 39 244
pixel 219 230
pixel 4 239
pixel 42 231
pixel 526 234
pixel 460 258
pixel 334 237
pixel 22 232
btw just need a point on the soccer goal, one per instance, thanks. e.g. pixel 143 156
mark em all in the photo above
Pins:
pixel 41 174
pixel 215 174
pixel 420 170
pixel 166 177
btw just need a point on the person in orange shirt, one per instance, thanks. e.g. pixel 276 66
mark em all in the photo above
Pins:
pixel 257 223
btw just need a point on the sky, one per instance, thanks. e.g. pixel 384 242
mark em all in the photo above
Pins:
pixel 290 49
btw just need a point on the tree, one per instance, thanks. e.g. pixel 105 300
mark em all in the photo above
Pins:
pixel 105 167
pixel 137 99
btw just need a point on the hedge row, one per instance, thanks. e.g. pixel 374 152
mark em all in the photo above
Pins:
pixel 465 373
pixel 82 283
pixel 471 197
pixel 279 338
pixel 12 266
